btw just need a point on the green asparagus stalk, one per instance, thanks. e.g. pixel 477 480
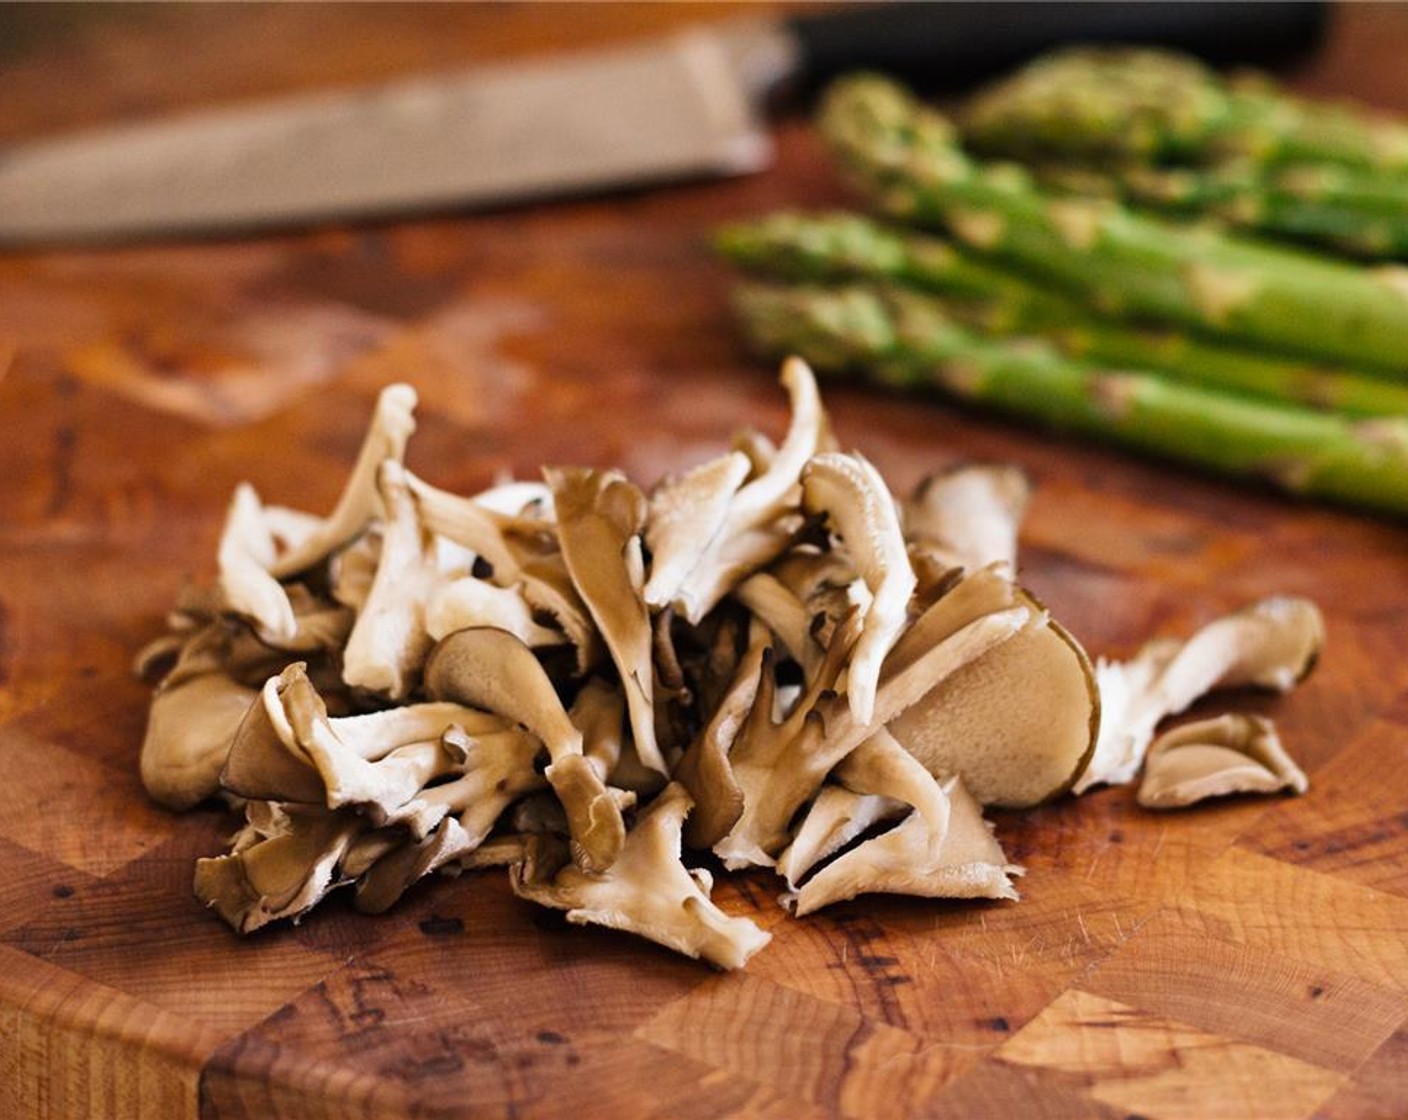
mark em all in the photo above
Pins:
pixel 1124 105
pixel 839 247
pixel 843 245
pixel 903 341
pixel 1327 206
pixel 907 158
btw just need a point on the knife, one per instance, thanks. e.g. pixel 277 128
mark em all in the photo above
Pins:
pixel 679 107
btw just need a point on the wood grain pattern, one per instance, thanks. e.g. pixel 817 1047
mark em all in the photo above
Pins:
pixel 1247 959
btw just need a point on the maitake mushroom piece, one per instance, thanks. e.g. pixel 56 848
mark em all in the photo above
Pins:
pixel 505 542
pixel 245 554
pixel 600 518
pixel 389 642
pixel 881 771
pixel 493 670
pixel 773 603
pixel 757 523
pixel 289 749
pixel 386 438
pixel 492 771
pixel 1271 644
pixel 780 766
pixel 382 884
pixel 251 567
pixel 280 866
pixel 967 862
pixel 470 603
pixel 201 700
pixel 705 770
pixel 189 730
pixel 1019 723
pixel 774 765
pixel 942 848
pixel 801 597
pixel 853 497
pixel 647 891
pixel 966 517
pixel 686 513
pixel 1215 758
pixel 836 818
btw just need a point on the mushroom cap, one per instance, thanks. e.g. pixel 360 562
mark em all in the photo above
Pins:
pixel 967 861
pixel 1272 643
pixel 968 516
pixel 190 727
pixel 491 669
pixel 600 518
pixel 1215 758
pixel 1019 723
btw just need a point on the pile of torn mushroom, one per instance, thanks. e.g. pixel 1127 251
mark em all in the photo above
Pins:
pixel 768 658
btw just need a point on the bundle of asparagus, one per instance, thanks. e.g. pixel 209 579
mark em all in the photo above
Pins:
pixel 842 247
pixel 1229 354
pixel 1163 130
pixel 906 341
pixel 906 157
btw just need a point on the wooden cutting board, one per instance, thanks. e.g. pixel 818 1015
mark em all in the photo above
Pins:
pixel 1246 959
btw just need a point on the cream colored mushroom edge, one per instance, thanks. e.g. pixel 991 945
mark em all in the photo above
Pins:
pixel 767 661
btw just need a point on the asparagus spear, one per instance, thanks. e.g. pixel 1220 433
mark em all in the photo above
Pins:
pixel 1328 206
pixel 903 341
pixel 837 247
pixel 906 157
pixel 1123 105
pixel 842 245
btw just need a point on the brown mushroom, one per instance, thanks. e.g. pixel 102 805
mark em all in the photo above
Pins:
pixel 761 518
pixel 967 863
pixel 289 749
pixel 382 884
pixel 547 587
pixel 687 511
pixel 774 603
pixel 503 541
pixel 1273 644
pixel 781 765
pixel 470 602
pixel 1215 758
pixel 704 770
pixel 968 516
pixel 849 491
pixel 600 518
pixel 391 426
pixel 190 727
pixel 493 670
pixel 284 865
pixel 493 769
pixel 245 554
pixel 647 891
pixel 201 701
pixel 879 780
pixel 389 642
pixel 1020 722
pixel 836 818
pixel 598 712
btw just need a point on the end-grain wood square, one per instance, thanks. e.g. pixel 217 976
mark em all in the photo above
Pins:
pixel 1163 1069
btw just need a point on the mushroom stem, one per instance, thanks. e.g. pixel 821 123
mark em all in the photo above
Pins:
pixel 648 891
pixel 391 426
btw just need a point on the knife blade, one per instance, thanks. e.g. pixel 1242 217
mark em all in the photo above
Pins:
pixel 679 107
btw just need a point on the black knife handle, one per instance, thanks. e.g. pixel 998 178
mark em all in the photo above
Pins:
pixel 949 45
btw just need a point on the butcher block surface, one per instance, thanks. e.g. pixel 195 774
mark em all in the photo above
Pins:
pixel 1249 958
